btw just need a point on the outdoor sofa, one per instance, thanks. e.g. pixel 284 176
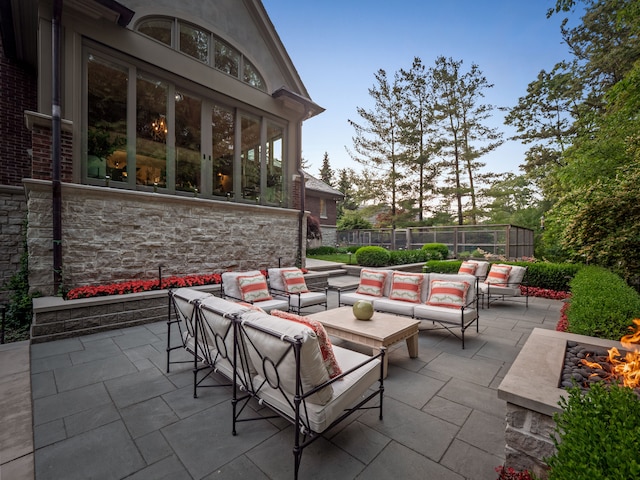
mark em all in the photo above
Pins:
pixel 450 300
pixel 281 360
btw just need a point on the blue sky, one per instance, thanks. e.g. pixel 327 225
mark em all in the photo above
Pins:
pixel 337 46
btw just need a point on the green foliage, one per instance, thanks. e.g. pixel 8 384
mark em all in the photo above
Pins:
pixel 372 256
pixel 439 251
pixel 602 304
pixel 597 435
pixel 554 276
pixel 353 220
pixel 551 276
pixel 403 257
pixel 323 250
pixel 442 266
pixel 19 313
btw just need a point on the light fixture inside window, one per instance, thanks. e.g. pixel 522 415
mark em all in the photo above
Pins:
pixel 179 97
pixel 159 128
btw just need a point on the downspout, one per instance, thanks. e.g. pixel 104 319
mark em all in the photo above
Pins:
pixel 55 147
pixel 301 227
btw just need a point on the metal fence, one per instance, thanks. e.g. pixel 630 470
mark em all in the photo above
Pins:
pixel 508 240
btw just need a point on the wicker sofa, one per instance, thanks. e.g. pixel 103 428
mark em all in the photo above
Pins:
pixel 279 362
pixel 424 302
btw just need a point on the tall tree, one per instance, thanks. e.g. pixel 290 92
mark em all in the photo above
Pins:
pixel 419 133
pixel 376 141
pixel 466 137
pixel 345 185
pixel 326 172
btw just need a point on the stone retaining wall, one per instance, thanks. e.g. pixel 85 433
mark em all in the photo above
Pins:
pixel 13 209
pixel 111 235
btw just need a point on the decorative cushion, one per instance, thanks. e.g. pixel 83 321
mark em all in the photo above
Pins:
pixel 449 294
pixel 294 281
pixel 333 369
pixel 254 288
pixel 498 275
pixel 468 268
pixel 406 287
pixel 371 282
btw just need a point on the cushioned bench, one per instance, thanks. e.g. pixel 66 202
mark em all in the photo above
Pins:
pixel 449 300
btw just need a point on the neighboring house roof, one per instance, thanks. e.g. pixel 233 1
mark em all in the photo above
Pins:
pixel 312 183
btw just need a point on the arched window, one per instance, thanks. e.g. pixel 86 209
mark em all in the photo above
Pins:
pixel 203 46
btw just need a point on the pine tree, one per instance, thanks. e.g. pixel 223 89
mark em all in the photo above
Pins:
pixel 326 172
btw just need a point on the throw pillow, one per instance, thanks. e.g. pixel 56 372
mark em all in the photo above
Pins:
pixel 406 287
pixel 294 281
pixel 371 282
pixel 498 275
pixel 330 362
pixel 449 294
pixel 254 288
pixel 468 268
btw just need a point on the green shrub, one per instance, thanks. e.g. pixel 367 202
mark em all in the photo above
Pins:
pixel 324 250
pixel 372 256
pixel 442 266
pixel 597 435
pixel 439 250
pixel 552 276
pixel 403 257
pixel 602 304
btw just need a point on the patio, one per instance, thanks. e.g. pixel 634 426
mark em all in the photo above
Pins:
pixel 104 407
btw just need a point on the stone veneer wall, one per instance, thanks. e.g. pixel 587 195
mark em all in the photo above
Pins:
pixel 13 209
pixel 528 440
pixel 111 235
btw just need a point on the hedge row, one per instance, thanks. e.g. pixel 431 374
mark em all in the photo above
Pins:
pixel 603 305
pixel 551 276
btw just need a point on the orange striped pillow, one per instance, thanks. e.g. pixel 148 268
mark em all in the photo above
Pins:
pixel 328 357
pixel 468 268
pixel 449 294
pixel 406 287
pixel 294 281
pixel 254 288
pixel 498 275
pixel 371 282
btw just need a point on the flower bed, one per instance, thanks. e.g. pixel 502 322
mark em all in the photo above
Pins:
pixel 137 286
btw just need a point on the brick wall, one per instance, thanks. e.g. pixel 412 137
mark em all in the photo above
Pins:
pixel 17 94
pixel 42 161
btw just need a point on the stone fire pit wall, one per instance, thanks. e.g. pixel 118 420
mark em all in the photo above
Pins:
pixel 531 391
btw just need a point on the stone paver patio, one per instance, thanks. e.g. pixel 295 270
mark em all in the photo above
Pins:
pixel 103 407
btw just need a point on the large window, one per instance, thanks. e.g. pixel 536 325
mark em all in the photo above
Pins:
pixel 143 131
pixel 199 44
pixel 107 120
pixel 152 131
pixel 223 135
pixel 250 146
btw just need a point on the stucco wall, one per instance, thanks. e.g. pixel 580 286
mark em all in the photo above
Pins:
pixel 111 235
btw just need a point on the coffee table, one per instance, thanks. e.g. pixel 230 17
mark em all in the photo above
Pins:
pixel 383 330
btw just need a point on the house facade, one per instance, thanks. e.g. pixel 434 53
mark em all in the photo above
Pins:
pixel 321 201
pixel 139 135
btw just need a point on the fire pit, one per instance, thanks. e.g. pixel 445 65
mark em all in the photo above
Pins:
pixel 587 364
pixel 532 389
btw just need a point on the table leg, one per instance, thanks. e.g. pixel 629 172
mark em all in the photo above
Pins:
pixel 412 346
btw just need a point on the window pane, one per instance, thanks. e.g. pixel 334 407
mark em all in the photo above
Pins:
pixel 194 42
pixel 252 77
pixel 187 143
pixel 250 142
pixel 274 164
pixel 227 59
pixel 158 29
pixel 223 132
pixel 151 132
pixel 106 119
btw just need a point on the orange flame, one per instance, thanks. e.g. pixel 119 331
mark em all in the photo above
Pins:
pixel 627 368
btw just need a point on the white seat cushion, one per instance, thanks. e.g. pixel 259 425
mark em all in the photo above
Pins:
pixel 443 314
pixel 346 391
pixel 307 299
pixel 398 307
pixel 349 298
